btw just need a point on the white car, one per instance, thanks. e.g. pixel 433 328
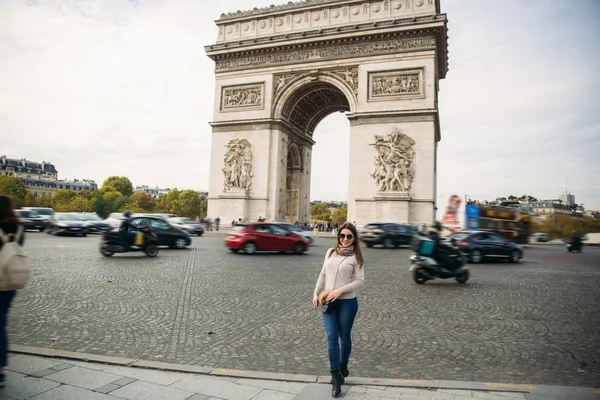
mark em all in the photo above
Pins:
pixel 296 229
pixel 114 220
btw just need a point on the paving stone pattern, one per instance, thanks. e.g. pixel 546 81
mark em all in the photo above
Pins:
pixel 534 322
pixel 161 385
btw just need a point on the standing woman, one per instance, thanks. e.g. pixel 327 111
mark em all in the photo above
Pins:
pixel 341 275
pixel 9 223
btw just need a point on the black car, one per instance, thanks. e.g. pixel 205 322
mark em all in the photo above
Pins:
pixel 480 245
pixel 167 234
pixel 95 223
pixel 32 220
pixel 387 234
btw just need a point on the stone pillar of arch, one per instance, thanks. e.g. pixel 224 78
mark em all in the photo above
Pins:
pixel 279 71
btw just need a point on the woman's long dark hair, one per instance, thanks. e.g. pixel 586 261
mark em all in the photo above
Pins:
pixel 7 211
pixel 356 244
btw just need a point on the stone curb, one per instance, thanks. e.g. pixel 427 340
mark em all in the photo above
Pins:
pixel 543 390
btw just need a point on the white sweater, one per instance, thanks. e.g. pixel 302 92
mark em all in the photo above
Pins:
pixel 349 277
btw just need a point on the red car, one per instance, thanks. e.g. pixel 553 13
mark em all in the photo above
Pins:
pixel 262 236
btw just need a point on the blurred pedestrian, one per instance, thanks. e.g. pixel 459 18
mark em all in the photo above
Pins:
pixel 341 275
pixel 217 223
pixel 9 224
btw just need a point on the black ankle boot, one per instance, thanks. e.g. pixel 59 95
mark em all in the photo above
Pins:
pixel 344 370
pixel 336 380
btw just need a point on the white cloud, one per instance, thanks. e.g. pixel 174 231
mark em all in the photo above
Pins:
pixel 124 87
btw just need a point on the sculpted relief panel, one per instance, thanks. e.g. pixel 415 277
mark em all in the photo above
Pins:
pixel 242 97
pixel 394 163
pixel 326 52
pixel 237 166
pixel 396 84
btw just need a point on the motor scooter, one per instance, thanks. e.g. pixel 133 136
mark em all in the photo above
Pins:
pixel 574 245
pixel 425 267
pixel 144 240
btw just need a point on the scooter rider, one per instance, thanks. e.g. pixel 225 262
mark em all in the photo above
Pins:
pixel 124 228
pixel 440 253
pixel 575 240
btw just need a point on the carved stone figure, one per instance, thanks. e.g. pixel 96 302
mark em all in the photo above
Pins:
pixel 237 165
pixel 350 76
pixel 393 166
pixel 281 81
pixel 395 84
pixel 242 97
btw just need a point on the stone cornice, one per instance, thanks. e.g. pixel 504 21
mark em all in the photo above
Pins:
pixel 320 14
pixel 322 33
pixel 273 8
pixel 310 46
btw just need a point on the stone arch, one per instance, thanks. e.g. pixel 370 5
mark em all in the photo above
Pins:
pixel 276 82
pixel 294 157
pixel 307 101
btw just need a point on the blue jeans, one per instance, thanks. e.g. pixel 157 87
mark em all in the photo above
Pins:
pixel 6 298
pixel 338 321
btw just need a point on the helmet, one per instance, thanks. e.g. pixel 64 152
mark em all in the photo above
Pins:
pixel 437 225
pixel 128 214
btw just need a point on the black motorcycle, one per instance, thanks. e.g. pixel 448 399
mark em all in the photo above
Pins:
pixel 143 240
pixel 425 267
pixel 574 244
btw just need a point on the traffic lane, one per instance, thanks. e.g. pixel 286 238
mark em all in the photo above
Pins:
pixel 589 257
pixel 532 322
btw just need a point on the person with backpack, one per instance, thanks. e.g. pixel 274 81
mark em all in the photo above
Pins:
pixel 11 232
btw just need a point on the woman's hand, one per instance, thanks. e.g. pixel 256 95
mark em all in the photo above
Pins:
pixel 333 295
pixel 315 301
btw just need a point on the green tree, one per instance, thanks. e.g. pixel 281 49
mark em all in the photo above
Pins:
pixel 30 200
pixel 188 205
pixel 101 205
pixel 166 202
pixel 44 201
pixel 62 200
pixel 340 215
pixel 86 194
pixel 80 204
pixel 13 188
pixel 560 225
pixel 142 202
pixel 203 208
pixel 120 184
pixel 320 212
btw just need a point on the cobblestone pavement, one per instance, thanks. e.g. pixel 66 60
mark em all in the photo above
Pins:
pixel 533 322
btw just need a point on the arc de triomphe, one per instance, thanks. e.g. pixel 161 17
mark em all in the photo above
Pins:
pixel 282 69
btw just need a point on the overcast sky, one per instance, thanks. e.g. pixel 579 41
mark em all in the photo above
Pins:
pixel 123 87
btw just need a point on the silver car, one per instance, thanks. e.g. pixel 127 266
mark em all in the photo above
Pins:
pixel 188 225
pixel 298 230
pixel 68 224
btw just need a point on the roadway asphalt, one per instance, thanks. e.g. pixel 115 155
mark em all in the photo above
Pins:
pixel 532 322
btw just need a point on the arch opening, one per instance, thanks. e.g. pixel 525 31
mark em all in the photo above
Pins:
pixel 310 104
pixel 301 112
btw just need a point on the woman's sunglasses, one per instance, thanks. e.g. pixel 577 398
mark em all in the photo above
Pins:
pixel 348 236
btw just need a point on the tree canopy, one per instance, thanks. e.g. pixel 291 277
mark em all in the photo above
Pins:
pixel 115 195
pixel 121 184
pixel 14 188
pixel 320 212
